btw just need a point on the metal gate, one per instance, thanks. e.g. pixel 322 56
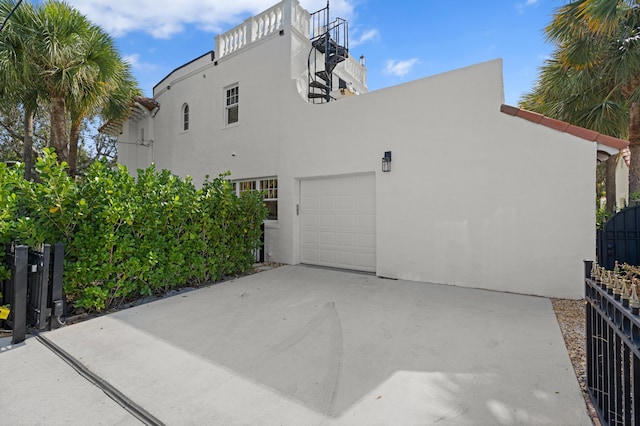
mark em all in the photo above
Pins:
pixel 619 239
pixel 34 290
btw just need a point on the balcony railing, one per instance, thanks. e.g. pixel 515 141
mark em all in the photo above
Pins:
pixel 284 14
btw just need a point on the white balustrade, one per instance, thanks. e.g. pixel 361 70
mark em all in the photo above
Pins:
pixel 300 19
pixel 356 70
pixel 271 21
pixel 253 29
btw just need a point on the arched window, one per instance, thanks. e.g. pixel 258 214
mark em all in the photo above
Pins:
pixel 185 117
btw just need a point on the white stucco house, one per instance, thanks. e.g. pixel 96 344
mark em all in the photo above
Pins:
pixel 479 194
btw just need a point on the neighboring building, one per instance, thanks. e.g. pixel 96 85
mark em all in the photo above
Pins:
pixel 622 178
pixel 479 194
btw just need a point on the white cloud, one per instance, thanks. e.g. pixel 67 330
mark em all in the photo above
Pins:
pixel 520 7
pixel 164 18
pixel 136 64
pixel 371 34
pixel 400 68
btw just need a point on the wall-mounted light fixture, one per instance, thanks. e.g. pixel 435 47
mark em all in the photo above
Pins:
pixel 386 162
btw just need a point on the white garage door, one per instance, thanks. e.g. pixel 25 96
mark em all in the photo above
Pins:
pixel 338 222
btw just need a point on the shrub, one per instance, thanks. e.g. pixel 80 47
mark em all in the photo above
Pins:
pixel 125 237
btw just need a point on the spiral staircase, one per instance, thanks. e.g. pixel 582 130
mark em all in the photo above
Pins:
pixel 329 47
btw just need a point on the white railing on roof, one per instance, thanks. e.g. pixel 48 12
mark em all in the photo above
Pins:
pixel 287 13
pixel 356 70
pixel 299 18
pixel 252 30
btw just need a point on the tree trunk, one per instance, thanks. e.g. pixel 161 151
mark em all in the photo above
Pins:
pixel 59 129
pixel 27 153
pixel 634 147
pixel 74 137
pixel 610 183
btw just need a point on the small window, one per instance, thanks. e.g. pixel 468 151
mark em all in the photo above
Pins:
pixel 231 104
pixel 269 189
pixel 185 117
pixel 247 186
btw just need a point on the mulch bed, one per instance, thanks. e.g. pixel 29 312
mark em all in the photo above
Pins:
pixel 571 319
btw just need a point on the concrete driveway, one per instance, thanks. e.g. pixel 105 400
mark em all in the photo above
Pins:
pixel 306 346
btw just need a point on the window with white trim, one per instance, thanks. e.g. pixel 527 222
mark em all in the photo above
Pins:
pixel 232 99
pixel 185 117
pixel 269 188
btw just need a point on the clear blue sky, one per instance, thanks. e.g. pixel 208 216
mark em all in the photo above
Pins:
pixel 401 40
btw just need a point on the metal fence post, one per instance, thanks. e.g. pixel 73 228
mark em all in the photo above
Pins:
pixel 57 302
pixel 19 302
pixel 588 265
pixel 43 288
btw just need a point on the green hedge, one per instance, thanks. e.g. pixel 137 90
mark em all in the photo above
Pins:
pixel 126 237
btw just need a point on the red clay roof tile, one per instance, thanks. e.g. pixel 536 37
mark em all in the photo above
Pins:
pixel 611 141
pixel 581 132
pixel 563 126
pixel 554 124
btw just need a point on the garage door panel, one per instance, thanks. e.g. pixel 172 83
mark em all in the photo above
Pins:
pixel 325 187
pixel 326 202
pixel 338 222
pixel 347 239
pixel 346 202
pixel 347 221
pixel 309 221
pixel 326 238
pixel 310 254
pixel 310 202
pixel 327 221
pixel 326 257
pixel 366 241
pixel 346 259
pixel 311 238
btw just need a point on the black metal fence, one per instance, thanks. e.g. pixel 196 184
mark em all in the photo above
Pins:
pixel 619 238
pixel 613 344
pixel 34 289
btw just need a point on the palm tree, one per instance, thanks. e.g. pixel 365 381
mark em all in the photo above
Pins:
pixel 579 96
pixel 17 77
pixel 109 93
pixel 602 37
pixel 74 66
pixel 56 47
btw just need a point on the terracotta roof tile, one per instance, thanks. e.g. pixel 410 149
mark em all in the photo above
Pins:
pixel 563 126
pixel 554 124
pixel 148 103
pixel 114 127
pixel 611 141
pixel 508 109
pixel 581 132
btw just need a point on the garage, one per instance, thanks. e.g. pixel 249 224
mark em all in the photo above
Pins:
pixel 338 222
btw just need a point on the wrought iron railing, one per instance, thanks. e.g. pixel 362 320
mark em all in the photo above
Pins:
pixel 613 342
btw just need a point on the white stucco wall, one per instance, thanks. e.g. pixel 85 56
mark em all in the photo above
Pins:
pixel 475 197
